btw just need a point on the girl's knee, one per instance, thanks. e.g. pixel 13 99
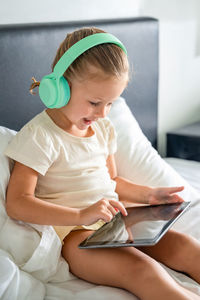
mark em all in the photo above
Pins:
pixel 180 245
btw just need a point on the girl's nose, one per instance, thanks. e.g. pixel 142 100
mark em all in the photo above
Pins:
pixel 102 112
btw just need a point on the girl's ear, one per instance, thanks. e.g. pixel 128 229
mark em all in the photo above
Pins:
pixel 70 84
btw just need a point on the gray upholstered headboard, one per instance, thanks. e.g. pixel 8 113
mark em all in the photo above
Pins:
pixel 28 50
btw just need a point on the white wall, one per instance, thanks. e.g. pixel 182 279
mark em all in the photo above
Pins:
pixel 179 88
pixel 31 11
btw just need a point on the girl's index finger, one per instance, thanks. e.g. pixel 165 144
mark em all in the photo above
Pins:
pixel 118 205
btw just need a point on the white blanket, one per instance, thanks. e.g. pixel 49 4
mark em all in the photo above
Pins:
pixel 31 266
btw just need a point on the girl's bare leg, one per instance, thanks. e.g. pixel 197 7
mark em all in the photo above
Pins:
pixel 126 268
pixel 177 251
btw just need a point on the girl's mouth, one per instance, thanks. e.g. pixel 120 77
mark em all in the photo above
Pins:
pixel 87 122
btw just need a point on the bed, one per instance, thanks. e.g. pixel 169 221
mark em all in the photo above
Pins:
pixel 31 266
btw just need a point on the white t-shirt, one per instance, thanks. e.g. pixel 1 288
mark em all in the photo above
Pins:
pixel 72 170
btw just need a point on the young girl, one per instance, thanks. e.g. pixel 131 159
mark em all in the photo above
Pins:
pixel 65 175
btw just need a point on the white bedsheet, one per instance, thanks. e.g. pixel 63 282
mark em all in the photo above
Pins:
pixel 189 170
pixel 39 272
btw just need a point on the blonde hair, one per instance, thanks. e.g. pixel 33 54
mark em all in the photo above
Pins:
pixel 108 58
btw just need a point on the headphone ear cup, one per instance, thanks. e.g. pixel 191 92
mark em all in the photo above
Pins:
pixel 48 90
pixel 54 92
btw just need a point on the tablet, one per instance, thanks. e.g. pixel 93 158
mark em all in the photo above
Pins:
pixel 143 226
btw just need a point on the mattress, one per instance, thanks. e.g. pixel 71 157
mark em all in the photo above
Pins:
pixel 188 169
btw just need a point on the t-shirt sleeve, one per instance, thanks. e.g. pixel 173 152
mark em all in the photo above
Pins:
pixel 111 136
pixel 33 147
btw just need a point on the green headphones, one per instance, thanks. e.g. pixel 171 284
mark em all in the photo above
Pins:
pixel 54 89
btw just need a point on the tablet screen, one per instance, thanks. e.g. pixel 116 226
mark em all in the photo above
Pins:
pixel 144 225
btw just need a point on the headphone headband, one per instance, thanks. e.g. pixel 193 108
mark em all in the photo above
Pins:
pixel 81 46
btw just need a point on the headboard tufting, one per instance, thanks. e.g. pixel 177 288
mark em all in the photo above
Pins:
pixel 28 50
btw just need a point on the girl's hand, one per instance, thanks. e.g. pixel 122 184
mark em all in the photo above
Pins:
pixel 104 209
pixel 164 195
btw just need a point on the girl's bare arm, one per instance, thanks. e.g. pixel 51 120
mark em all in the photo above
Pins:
pixel 130 192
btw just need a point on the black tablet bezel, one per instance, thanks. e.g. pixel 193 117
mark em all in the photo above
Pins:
pixel 87 244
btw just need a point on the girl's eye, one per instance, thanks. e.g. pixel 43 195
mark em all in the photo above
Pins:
pixel 94 103
pixel 98 103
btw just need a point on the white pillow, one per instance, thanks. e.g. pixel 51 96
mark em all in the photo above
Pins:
pixel 5 163
pixel 137 160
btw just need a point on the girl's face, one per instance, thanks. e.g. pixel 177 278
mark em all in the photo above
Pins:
pixel 92 99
